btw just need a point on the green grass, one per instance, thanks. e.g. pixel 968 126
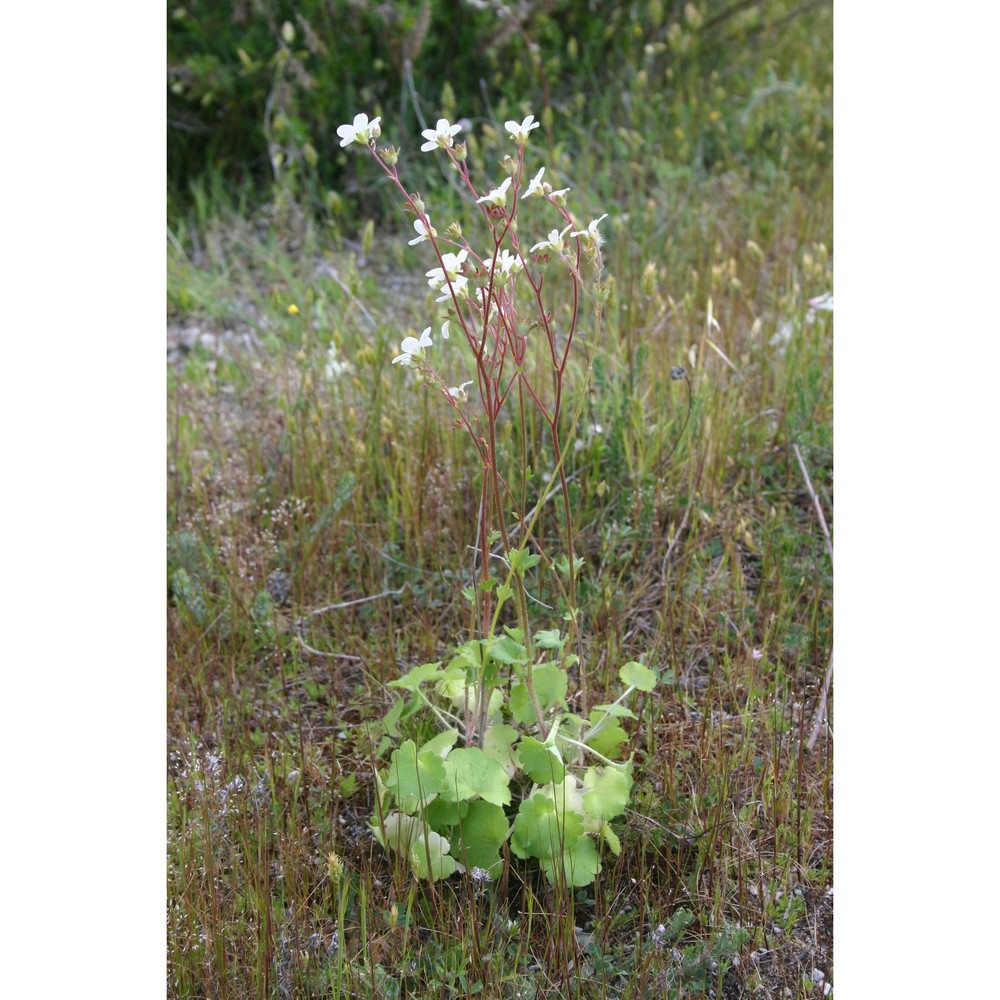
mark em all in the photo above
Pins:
pixel 701 544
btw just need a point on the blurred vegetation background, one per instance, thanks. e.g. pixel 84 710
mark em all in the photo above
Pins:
pixel 256 88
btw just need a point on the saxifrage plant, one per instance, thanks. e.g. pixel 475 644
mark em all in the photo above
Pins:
pixel 510 761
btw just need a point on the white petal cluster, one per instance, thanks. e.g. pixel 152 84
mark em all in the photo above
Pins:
pixel 498 196
pixel 519 133
pixel 505 266
pixel 424 232
pixel 590 234
pixel 554 242
pixel 334 367
pixel 452 269
pixel 440 137
pixel 458 391
pixel 537 188
pixel 413 349
pixel 362 130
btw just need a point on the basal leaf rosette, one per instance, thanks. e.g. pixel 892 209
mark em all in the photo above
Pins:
pixel 562 823
pixel 449 805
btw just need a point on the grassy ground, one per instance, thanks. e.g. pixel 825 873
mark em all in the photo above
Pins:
pixel 294 487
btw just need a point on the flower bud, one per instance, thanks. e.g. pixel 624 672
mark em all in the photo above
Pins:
pixel 648 283
pixel 288 32
pixel 460 151
pixel 508 165
pixel 454 231
pixel 418 204
pixel 335 867
pixel 389 155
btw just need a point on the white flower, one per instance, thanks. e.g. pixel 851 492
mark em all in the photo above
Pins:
pixel 413 348
pixel 535 186
pixel 554 242
pixel 440 136
pixel 519 133
pixel 506 264
pixel 335 368
pixel 362 130
pixel 458 391
pixel 458 285
pixel 543 189
pixel 445 332
pixel 824 302
pixel 423 232
pixel 452 268
pixel 590 234
pixel 498 196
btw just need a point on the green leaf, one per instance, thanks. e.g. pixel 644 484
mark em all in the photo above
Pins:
pixel 441 743
pixel 550 686
pixel 520 560
pixel 609 837
pixel 506 650
pixel 635 674
pixel 429 856
pixel 440 814
pixel 610 738
pixel 568 798
pixel 391 718
pixel 540 761
pixel 498 744
pixel 418 675
pixel 608 791
pixel 580 864
pixel 504 592
pixel 470 773
pixel 549 639
pixel 679 922
pixel 469 655
pixel 617 711
pixel 541 832
pixel 414 779
pixel 481 834
pixel 469 593
pixel 561 563
pixel 397 831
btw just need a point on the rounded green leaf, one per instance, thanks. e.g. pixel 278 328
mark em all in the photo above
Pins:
pixel 414 779
pixel 607 791
pixel 469 774
pixel 540 831
pixel 540 761
pixel 429 857
pixel 580 864
pixel 635 674
pixel 479 837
